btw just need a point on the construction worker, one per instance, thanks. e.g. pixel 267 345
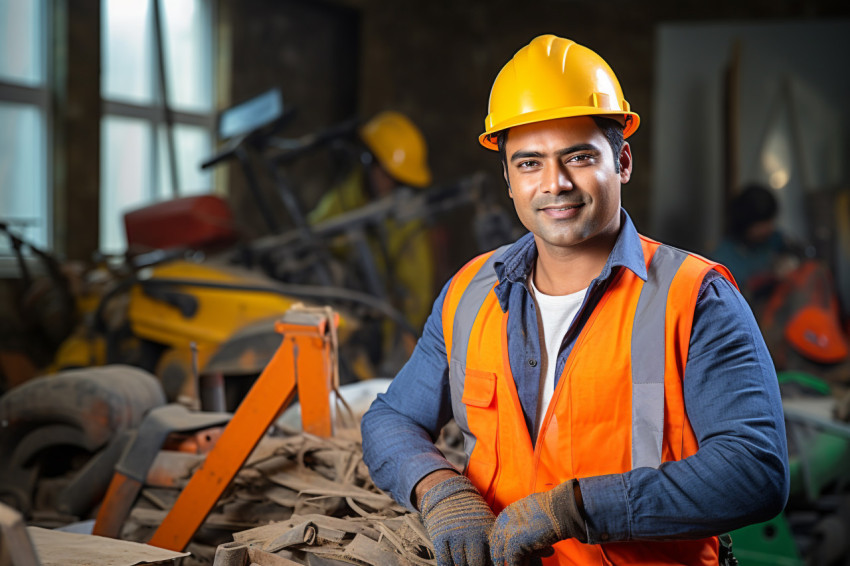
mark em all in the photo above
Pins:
pixel 617 402
pixel 756 252
pixel 396 155
pixel 792 297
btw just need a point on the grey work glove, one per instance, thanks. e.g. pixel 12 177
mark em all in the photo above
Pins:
pixel 526 529
pixel 458 521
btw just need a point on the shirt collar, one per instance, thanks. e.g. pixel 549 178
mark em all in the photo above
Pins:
pixel 516 263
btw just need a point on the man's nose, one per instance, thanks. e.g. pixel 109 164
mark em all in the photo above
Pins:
pixel 557 180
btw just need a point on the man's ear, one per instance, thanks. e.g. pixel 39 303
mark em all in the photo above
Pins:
pixel 625 163
pixel 507 180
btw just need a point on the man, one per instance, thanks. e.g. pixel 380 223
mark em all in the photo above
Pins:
pixel 617 402
pixel 395 155
pixel 754 249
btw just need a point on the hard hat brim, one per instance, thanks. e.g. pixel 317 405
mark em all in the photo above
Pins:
pixel 488 138
pixel 419 179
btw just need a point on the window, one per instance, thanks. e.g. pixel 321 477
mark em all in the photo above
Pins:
pixel 135 157
pixel 24 121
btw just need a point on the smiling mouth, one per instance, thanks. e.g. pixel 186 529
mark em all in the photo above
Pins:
pixel 562 207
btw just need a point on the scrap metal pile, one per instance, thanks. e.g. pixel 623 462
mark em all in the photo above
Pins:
pixel 305 499
pixel 317 539
pixel 189 480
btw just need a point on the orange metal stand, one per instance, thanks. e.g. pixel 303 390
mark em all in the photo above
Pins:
pixel 305 360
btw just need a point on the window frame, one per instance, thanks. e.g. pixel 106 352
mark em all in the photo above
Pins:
pixel 39 96
pixel 154 114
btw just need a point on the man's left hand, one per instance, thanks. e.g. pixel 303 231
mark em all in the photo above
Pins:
pixel 529 527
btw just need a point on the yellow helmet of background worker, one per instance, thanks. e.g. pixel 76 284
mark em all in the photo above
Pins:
pixel 551 78
pixel 399 147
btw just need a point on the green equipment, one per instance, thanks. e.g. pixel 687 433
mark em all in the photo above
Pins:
pixel 813 529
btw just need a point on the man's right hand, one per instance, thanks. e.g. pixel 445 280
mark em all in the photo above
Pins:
pixel 458 520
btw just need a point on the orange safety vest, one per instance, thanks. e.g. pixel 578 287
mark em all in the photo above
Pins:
pixel 618 404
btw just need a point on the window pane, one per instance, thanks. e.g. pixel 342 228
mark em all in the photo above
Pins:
pixel 193 145
pixel 125 176
pixel 20 41
pixel 23 189
pixel 127 51
pixel 188 47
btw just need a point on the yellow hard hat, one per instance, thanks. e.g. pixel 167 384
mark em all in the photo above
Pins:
pixel 551 78
pixel 399 147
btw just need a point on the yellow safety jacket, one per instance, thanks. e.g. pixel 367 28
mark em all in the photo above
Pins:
pixel 408 249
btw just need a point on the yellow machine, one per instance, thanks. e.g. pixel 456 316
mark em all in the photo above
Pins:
pixel 180 318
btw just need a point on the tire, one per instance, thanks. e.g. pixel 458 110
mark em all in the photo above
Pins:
pixel 72 412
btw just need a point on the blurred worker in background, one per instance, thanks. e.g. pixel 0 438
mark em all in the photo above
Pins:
pixel 754 249
pixel 793 297
pixel 395 156
pixel 617 402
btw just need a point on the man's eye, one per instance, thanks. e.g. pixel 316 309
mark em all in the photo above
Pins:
pixel 581 157
pixel 526 164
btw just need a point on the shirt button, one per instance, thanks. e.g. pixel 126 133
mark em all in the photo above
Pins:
pixel 532 362
pixel 604 536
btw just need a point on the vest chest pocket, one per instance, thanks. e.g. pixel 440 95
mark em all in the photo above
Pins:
pixel 482 415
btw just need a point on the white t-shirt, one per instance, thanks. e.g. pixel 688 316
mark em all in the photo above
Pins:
pixel 555 314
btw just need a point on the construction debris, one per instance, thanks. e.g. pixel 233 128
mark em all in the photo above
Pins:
pixel 317 539
pixel 299 499
pixel 57 548
pixel 35 546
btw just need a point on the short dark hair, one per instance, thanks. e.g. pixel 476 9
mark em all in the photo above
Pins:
pixel 613 132
pixel 611 129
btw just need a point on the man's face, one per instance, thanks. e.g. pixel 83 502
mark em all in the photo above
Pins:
pixel 564 183
pixel 380 181
pixel 760 232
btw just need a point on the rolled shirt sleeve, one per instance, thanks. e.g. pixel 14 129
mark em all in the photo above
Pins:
pixel 739 475
pixel 400 427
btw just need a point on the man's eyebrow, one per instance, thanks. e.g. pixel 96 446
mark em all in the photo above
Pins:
pixel 525 155
pixel 566 151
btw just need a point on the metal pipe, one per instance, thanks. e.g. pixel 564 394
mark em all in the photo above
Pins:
pixel 212 393
pixel 163 92
pixel 231 554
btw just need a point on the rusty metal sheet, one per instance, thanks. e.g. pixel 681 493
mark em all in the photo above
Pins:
pixel 154 517
pixel 261 534
pixel 172 469
pixel 259 557
pixel 330 540
pixel 57 548
pixel 282 496
pixel 308 482
pixel 294 479
pixel 369 551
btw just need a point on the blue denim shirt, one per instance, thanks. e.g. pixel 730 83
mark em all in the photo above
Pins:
pixel 738 476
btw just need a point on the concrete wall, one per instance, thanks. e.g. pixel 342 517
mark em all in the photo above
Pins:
pixel 788 85
pixel 436 61
pixel 310 51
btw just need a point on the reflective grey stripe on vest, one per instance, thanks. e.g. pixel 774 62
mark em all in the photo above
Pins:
pixel 647 352
pixel 465 314
pixel 648 358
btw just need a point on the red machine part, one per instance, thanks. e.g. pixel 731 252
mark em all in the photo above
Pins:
pixel 189 222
